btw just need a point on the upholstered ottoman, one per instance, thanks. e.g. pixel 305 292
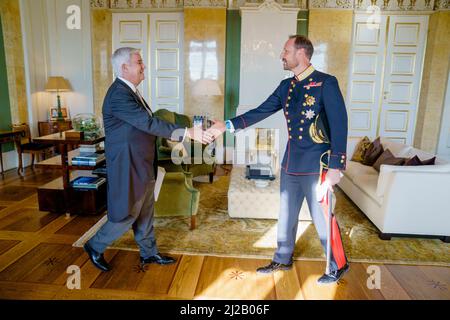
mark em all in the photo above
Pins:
pixel 245 200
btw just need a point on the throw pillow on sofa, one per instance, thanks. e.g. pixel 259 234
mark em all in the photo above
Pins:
pixel 415 161
pixel 429 162
pixel 360 150
pixel 373 152
pixel 387 158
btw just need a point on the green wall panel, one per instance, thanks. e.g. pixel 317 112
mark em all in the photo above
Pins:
pixel 232 67
pixel 5 111
pixel 302 23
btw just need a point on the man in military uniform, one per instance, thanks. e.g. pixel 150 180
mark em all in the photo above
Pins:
pixel 303 98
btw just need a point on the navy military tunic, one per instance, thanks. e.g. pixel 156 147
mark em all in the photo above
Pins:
pixel 302 98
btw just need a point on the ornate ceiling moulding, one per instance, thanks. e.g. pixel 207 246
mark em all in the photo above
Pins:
pixel 205 3
pixel 297 4
pixel 441 4
pixel 359 5
pixel 156 4
pixel 395 5
pixel 100 4
pixel 331 4
pixel 167 4
pixel 146 4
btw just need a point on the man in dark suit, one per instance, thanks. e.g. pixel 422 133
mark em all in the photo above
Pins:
pixel 130 135
pixel 302 99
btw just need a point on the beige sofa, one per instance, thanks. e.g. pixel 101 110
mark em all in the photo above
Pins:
pixel 401 200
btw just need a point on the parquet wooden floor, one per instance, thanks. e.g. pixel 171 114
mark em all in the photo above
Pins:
pixel 36 250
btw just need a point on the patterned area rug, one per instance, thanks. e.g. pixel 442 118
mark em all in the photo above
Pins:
pixel 219 235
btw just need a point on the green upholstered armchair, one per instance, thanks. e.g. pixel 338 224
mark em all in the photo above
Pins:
pixel 178 197
pixel 198 167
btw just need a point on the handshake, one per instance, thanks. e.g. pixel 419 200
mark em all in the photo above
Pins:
pixel 209 135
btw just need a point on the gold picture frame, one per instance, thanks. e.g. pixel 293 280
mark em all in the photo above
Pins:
pixel 54 113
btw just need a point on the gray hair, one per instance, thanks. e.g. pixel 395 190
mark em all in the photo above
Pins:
pixel 120 57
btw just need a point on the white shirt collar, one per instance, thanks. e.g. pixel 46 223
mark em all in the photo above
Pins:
pixel 132 86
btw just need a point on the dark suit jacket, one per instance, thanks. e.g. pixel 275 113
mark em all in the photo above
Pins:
pixel 301 102
pixel 130 149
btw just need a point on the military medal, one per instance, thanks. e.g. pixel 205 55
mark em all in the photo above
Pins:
pixel 312 84
pixel 310 101
pixel 310 114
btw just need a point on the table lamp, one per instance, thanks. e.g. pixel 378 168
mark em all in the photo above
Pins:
pixel 58 84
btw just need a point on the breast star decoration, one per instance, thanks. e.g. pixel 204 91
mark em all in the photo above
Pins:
pixel 310 114
pixel 310 100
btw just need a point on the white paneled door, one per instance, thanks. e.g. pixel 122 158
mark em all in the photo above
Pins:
pixel 402 75
pixel 386 69
pixel 159 36
pixel 166 67
pixel 444 137
pixel 131 30
pixel 365 82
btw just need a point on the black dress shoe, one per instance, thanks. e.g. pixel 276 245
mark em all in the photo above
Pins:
pixel 334 276
pixel 159 259
pixel 97 258
pixel 274 266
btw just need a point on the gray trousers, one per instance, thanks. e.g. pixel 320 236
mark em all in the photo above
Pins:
pixel 293 190
pixel 140 219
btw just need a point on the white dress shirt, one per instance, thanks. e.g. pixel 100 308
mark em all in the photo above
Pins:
pixel 132 86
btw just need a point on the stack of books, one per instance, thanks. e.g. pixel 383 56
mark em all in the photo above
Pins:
pixel 100 171
pixel 88 159
pixel 88 182
pixel 89 148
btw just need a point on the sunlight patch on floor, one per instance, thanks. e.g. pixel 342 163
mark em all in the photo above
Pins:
pixel 235 283
pixel 324 292
pixel 269 238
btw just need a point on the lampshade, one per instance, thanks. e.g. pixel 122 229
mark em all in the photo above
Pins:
pixel 57 84
pixel 206 87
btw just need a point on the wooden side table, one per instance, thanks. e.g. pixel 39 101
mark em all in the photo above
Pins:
pixel 58 195
pixel 9 136
pixel 48 127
